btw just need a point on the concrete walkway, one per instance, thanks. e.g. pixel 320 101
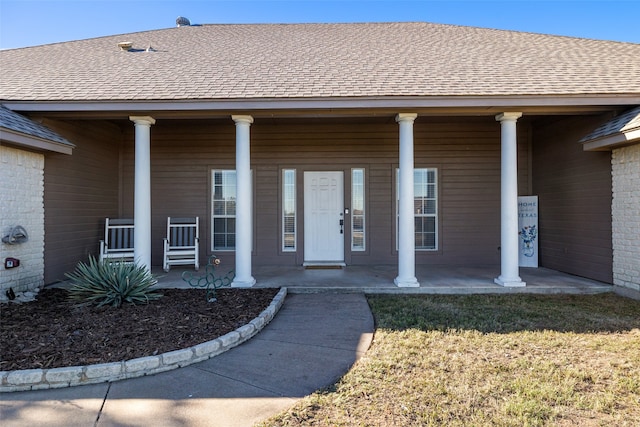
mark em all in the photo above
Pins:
pixel 313 340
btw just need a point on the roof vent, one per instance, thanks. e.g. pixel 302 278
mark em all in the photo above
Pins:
pixel 182 21
pixel 125 45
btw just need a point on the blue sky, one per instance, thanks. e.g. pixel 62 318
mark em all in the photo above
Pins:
pixel 33 22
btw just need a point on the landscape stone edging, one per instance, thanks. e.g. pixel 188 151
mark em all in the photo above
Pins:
pixel 39 379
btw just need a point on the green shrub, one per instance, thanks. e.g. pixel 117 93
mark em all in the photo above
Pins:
pixel 111 283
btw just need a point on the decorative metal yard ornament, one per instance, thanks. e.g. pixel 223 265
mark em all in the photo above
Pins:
pixel 17 235
pixel 209 281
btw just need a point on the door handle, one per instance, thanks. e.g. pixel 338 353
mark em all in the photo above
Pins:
pixel 342 226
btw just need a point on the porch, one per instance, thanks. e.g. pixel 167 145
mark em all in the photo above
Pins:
pixel 379 279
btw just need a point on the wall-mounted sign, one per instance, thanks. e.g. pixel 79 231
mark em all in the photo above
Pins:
pixel 528 231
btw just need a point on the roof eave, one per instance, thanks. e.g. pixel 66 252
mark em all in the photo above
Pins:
pixel 617 140
pixel 480 104
pixel 34 143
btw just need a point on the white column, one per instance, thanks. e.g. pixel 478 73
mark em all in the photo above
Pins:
pixel 142 191
pixel 406 227
pixel 509 275
pixel 244 217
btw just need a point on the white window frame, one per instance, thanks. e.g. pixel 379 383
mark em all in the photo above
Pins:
pixel 225 215
pixel 419 203
pixel 289 209
pixel 358 193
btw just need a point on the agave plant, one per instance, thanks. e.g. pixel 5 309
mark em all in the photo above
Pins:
pixel 111 283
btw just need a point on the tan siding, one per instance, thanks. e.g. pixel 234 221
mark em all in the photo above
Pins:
pixel 80 191
pixel 574 189
pixel 466 153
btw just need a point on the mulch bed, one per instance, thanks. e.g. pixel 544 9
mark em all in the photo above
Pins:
pixel 53 332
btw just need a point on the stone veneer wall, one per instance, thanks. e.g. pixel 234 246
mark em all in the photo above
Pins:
pixel 625 210
pixel 22 203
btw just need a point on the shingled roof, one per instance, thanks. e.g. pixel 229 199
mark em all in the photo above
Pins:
pixel 621 130
pixel 18 129
pixel 289 61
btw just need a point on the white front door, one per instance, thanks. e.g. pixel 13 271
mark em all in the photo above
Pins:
pixel 323 216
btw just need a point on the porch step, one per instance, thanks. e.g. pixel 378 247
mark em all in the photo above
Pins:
pixel 323 266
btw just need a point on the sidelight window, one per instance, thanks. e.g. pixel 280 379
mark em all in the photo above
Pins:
pixel 357 210
pixel 289 210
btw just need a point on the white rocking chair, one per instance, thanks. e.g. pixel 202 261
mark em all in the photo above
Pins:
pixel 118 240
pixel 182 243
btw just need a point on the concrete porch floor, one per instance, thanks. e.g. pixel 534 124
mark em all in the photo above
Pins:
pixel 379 279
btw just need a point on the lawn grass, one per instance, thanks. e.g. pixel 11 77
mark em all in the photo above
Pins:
pixel 489 360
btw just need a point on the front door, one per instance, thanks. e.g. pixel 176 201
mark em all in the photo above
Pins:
pixel 323 217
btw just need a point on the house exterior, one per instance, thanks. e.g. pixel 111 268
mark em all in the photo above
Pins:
pixel 339 144
pixel 23 146
pixel 621 137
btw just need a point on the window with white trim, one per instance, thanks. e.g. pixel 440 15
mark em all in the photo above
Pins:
pixel 223 210
pixel 357 210
pixel 425 207
pixel 289 210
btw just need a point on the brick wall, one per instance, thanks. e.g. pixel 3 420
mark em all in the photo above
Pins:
pixel 21 203
pixel 625 169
